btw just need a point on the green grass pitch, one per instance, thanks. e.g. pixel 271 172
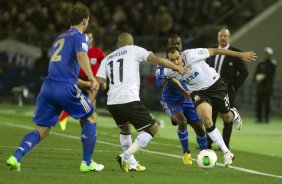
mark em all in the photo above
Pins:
pixel 257 148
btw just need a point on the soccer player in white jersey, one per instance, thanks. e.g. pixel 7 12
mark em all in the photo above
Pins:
pixel 121 67
pixel 207 89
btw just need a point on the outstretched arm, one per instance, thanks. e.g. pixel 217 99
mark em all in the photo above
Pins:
pixel 180 87
pixel 166 63
pixel 244 56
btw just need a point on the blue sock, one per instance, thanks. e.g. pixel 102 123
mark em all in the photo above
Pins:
pixel 202 142
pixel 88 139
pixel 28 142
pixel 183 138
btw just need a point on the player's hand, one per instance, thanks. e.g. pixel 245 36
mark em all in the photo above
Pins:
pixel 187 95
pixel 94 85
pixel 182 70
pixel 84 85
pixel 248 56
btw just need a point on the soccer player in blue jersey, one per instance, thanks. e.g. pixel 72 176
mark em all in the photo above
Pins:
pixel 180 109
pixel 60 91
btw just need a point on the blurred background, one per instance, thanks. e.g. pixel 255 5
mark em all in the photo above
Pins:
pixel 27 29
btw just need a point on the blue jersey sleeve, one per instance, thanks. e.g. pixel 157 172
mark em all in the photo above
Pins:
pixel 159 76
pixel 81 44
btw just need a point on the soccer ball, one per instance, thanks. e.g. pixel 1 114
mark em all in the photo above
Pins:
pixel 207 159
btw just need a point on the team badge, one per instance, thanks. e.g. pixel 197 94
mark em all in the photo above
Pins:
pixel 196 98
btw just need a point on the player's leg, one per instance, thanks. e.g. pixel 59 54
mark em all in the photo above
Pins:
pixel 45 116
pixel 227 126
pixel 126 142
pixel 232 116
pixel 214 118
pixel 82 108
pixel 179 118
pixel 175 112
pixel 195 122
pixel 205 112
pixel 140 118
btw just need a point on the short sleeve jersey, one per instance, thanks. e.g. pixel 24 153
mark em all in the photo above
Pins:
pixel 200 75
pixel 121 67
pixel 63 64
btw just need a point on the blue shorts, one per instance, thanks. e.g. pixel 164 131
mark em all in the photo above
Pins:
pixel 57 96
pixel 186 107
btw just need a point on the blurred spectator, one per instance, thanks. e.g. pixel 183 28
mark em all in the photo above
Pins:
pixel 264 77
pixel 30 21
pixel 164 21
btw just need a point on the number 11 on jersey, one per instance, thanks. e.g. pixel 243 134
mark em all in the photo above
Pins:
pixel 120 69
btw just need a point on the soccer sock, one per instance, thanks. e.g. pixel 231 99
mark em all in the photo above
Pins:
pixel 217 138
pixel 28 142
pixel 141 141
pixel 183 138
pixel 63 116
pixel 202 142
pixel 226 133
pixel 88 139
pixel 126 142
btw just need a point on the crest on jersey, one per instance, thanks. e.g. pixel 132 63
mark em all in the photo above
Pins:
pixel 196 98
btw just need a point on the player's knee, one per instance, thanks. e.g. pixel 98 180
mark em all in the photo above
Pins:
pixel 153 130
pixel 43 131
pixel 125 129
pixel 207 121
pixel 227 117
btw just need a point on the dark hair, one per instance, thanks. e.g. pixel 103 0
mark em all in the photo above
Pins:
pixel 173 36
pixel 172 50
pixel 78 12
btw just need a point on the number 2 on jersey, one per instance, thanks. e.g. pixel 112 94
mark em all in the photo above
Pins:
pixel 120 61
pixel 56 57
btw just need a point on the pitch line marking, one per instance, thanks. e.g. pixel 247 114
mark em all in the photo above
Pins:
pixel 144 150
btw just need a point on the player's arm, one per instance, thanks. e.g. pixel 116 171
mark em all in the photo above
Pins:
pixel 244 56
pixel 165 63
pixel 84 63
pixel 178 85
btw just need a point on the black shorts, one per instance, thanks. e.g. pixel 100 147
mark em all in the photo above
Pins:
pixel 216 95
pixel 132 112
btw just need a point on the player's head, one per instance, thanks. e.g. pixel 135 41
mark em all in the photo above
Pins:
pixel 223 36
pixel 124 39
pixel 174 40
pixel 174 55
pixel 79 16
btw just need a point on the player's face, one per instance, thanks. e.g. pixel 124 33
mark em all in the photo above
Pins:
pixel 175 42
pixel 223 37
pixel 175 58
pixel 86 22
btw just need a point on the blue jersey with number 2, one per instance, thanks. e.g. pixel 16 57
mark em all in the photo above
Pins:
pixel 59 90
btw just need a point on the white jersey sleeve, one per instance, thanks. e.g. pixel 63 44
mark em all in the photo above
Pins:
pixel 196 54
pixel 141 53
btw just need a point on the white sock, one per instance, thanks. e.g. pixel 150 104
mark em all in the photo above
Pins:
pixel 126 142
pixel 218 140
pixel 141 141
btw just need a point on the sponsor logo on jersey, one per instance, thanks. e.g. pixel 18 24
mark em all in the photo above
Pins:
pixel 196 98
pixel 191 76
